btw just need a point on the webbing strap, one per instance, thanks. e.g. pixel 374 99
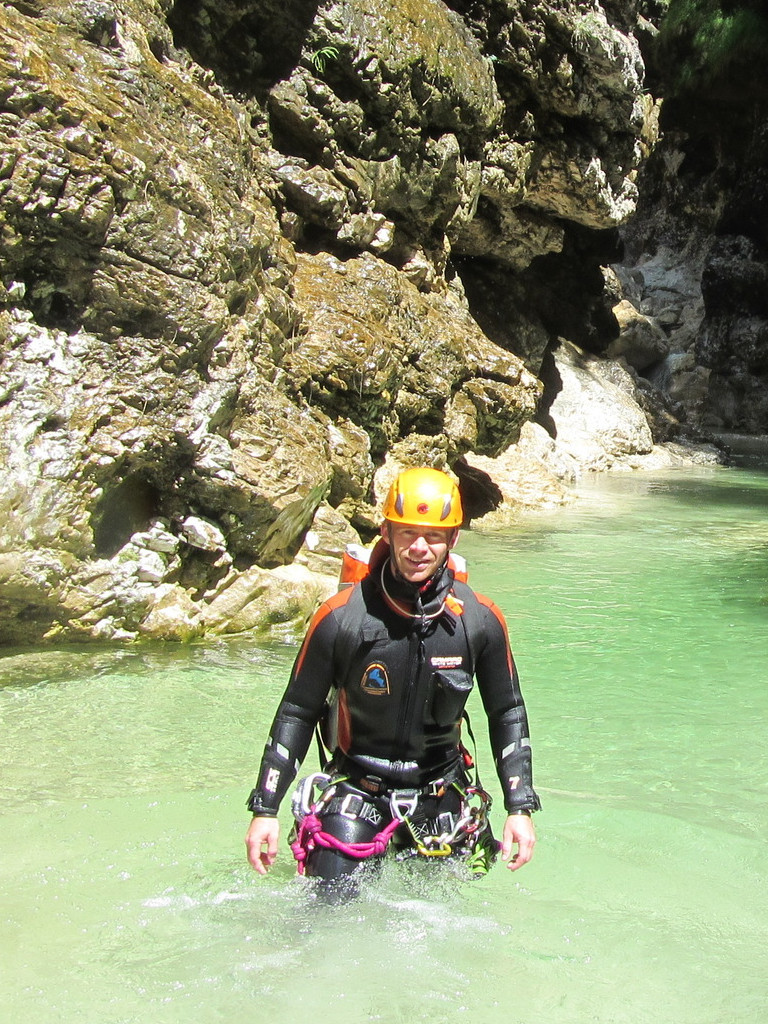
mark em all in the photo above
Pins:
pixel 465 716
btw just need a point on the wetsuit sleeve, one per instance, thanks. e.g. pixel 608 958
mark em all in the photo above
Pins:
pixel 297 714
pixel 499 688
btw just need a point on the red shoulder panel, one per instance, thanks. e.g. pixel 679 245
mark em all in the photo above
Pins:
pixel 496 612
pixel 335 601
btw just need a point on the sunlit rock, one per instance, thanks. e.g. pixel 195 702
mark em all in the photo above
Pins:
pixel 325 542
pixel 200 533
pixel 173 615
pixel 273 602
pixel 598 421
pixel 535 472
pixel 241 247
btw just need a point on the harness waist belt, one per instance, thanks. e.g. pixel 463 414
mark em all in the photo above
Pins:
pixel 377 786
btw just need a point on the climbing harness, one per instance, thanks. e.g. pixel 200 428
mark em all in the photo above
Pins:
pixel 470 819
pixel 466 834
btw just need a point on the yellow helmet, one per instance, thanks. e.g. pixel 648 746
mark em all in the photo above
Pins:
pixel 424 497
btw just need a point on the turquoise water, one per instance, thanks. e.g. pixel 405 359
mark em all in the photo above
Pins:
pixel 639 619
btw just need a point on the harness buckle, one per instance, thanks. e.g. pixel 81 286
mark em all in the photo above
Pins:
pixel 435 788
pixel 370 783
pixel 345 809
pixel 403 803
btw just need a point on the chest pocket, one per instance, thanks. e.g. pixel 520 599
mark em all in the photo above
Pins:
pixel 373 644
pixel 450 689
pixel 357 641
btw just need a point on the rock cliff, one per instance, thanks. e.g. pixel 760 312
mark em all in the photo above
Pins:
pixel 696 257
pixel 255 256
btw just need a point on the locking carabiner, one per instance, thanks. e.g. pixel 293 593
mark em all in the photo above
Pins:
pixel 436 848
pixel 303 801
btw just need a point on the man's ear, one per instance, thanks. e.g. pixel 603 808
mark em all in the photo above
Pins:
pixel 454 539
pixel 385 531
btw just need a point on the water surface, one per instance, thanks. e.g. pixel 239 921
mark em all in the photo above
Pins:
pixel 639 620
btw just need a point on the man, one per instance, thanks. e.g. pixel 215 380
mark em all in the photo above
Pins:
pixel 399 651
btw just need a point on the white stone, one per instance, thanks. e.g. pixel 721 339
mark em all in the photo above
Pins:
pixel 200 533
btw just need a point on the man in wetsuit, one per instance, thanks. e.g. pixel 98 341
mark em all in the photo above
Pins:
pixel 399 652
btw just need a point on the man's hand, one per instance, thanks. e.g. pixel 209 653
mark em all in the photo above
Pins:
pixel 261 843
pixel 518 831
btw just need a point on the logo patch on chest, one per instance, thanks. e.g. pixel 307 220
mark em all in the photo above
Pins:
pixel 449 661
pixel 375 680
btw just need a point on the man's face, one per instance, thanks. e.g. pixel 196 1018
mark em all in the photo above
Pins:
pixel 418 551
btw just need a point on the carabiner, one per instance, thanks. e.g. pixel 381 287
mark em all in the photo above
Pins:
pixel 463 826
pixel 440 850
pixel 302 801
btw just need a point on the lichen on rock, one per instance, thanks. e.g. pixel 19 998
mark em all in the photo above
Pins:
pixel 256 255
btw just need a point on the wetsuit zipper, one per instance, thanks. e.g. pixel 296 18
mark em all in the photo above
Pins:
pixel 417 657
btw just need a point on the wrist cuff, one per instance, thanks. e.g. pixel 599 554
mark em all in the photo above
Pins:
pixel 256 807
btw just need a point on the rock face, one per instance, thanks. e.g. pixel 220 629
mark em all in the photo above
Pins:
pixel 255 255
pixel 696 260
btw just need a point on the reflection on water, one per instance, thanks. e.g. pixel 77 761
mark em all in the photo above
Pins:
pixel 639 620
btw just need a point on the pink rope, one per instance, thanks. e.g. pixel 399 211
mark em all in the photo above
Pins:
pixel 311 835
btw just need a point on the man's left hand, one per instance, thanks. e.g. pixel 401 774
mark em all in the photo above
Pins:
pixel 519 831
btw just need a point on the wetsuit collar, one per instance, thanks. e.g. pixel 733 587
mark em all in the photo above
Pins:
pixel 423 601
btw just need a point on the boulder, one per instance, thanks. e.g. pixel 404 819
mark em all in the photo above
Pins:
pixel 598 422
pixel 641 341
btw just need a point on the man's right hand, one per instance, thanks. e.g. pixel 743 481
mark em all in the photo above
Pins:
pixel 261 843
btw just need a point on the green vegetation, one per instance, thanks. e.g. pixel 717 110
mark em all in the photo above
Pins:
pixel 718 48
pixel 320 57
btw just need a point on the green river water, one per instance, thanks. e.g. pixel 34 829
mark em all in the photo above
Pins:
pixel 639 620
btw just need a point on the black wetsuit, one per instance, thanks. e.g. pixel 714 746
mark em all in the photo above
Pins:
pixel 400 683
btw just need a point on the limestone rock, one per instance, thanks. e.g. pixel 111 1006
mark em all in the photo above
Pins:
pixel 532 473
pixel 272 602
pixel 570 63
pixel 325 542
pixel 240 245
pixel 598 422
pixel 641 341
pixel 401 360
pixel 173 615
pixel 199 533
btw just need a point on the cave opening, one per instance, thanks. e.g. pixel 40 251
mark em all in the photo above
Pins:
pixel 123 511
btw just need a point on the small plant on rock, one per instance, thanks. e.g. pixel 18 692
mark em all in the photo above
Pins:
pixel 320 57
